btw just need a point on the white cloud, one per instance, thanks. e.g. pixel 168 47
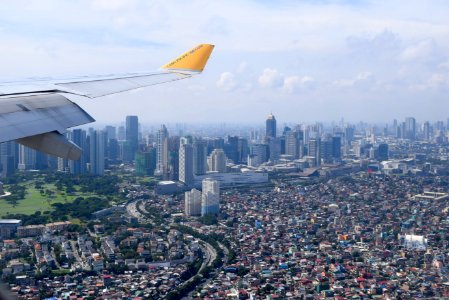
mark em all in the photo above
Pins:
pixel 422 50
pixel 271 78
pixel 362 78
pixel 294 83
pixel 242 67
pixel 227 82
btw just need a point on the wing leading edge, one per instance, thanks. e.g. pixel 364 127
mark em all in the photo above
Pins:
pixel 37 115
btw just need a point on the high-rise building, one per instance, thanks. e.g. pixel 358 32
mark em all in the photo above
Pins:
pixel 210 199
pixel 121 133
pixel 270 127
pixel 199 157
pixel 162 151
pixel 258 154
pixel 27 158
pixel 173 158
pixel 294 143
pixel 217 161
pixel 336 148
pixel 97 151
pixel 314 150
pixel 214 143
pixel 9 153
pixel 111 132
pixel 186 161
pixel 382 152
pixel 132 136
pixel 231 148
pixel 242 150
pixel 410 128
pixel 274 146
pixel 80 139
pixel 326 150
pixel 426 131
pixel 192 203
pixel 146 162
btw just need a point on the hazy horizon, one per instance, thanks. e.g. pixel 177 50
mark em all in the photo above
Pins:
pixel 301 60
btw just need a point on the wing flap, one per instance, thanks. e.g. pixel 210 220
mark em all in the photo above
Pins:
pixel 53 143
pixel 31 115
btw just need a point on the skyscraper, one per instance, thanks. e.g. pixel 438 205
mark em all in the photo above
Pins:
pixel 192 203
pixel 146 162
pixel 27 158
pixel 258 154
pixel 132 136
pixel 410 128
pixel 294 143
pixel 199 157
pixel 8 158
pixel 210 199
pixel 314 150
pixel 336 148
pixel 274 146
pixel 270 126
pixel 426 131
pixel 162 151
pixel 97 152
pixel 111 132
pixel 217 161
pixel 121 135
pixel 186 161
pixel 80 139
pixel 382 152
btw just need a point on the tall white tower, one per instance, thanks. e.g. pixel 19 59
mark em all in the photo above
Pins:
pixel 192 204
pixel 211 197
pixel 186 161
pixel 162 151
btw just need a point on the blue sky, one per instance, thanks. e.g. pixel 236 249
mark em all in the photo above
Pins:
pixel 302 60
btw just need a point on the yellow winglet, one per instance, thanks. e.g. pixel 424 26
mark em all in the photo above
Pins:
pixel 193 60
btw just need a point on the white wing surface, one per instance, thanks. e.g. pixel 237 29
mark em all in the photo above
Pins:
pixel 36 114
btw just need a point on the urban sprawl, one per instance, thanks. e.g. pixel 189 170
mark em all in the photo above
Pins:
pixel 306 211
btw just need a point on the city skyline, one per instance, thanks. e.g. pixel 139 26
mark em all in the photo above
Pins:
pixel 315 60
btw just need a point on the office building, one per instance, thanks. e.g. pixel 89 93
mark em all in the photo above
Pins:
pixel 217 161
pixel 9 158
pixel 79 138
pixel 258 154
pixel 274 147
pixel 97 151
pixel 270 127
pixel 314 150
pixel 294 143
pixel 111 132
pixel 121 133
pixel 382 152
pixel 426 131
pixel 336 148
pixel 210 197
pixel 192 204
pixel 410 128
pixel 145 162
pixel 199 157
pixel 186 161
pixel 132 137
pixel 162 152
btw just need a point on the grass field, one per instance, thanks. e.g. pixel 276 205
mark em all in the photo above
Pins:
pixel 35 201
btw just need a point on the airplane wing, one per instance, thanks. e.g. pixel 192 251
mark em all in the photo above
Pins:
pixel 36 114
